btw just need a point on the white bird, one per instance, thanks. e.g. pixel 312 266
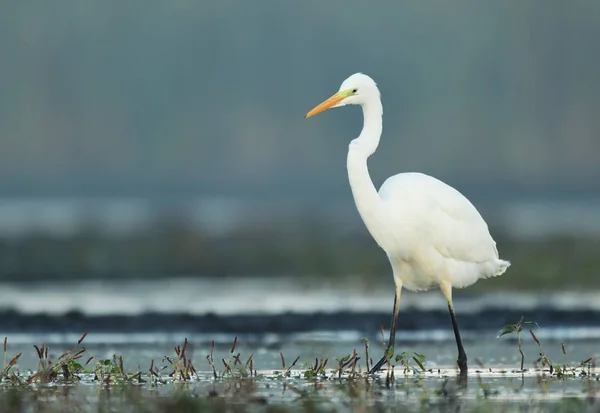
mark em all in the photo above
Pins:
pixel 432 235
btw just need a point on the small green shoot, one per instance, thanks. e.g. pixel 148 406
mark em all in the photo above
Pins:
pixel 546 362
pixel 183 368
pixel 347 364
pixel 404 358
pixel 366 343
pixel 211 360
pixel 234 368
pixel 7 367
pixel 287 372
pixel 313 372
pixel 48 371
pixel 517 328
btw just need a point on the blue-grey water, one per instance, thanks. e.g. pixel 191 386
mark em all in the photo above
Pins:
pixel 143 320
pixel 228 296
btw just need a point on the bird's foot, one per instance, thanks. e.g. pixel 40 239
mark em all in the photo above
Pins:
pixel 462 364
pixel 462 380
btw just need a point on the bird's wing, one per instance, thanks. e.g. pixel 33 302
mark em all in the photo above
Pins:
pixel 458 231
pixel 440 217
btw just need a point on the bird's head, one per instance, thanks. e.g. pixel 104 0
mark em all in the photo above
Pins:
pixel 358 89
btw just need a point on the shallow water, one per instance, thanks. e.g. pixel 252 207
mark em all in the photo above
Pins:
pixel 138 350
pixel 493 384
pixel 265 295
pixel 143 321
pixel 437 389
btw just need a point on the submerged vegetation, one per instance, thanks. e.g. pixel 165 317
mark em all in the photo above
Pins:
pixel 80 381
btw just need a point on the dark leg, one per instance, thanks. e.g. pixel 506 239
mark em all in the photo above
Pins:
pixel 392 339
pixel 462 356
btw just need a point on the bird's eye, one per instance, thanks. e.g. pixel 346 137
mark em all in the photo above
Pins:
pixel 354 90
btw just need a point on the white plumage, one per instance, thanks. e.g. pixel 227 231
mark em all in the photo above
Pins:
pixel 432 234
pixel 435 233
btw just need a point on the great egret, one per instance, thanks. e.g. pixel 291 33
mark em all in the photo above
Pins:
pixel 432 234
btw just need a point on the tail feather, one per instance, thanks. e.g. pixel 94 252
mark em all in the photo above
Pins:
pixel 501 267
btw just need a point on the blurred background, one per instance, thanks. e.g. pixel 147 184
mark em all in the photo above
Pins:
pixel 159 149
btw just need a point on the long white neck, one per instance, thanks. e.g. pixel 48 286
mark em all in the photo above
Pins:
pixel 365 195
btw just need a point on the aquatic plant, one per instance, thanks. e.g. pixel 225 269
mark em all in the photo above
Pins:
pixel 516 329
pixel 234 384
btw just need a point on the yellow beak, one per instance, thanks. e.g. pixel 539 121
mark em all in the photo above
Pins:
pixel 332 101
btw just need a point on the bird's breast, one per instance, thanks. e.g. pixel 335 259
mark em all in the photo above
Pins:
pixel 415 275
